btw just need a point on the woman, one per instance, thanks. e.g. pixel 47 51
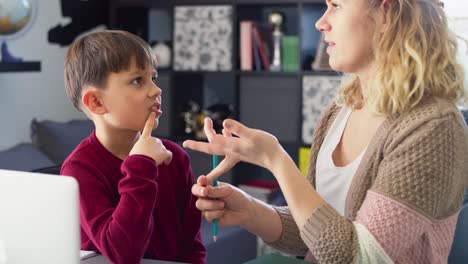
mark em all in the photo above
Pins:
pixel 389 166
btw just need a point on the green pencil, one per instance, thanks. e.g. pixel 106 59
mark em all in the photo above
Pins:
pixel 215 183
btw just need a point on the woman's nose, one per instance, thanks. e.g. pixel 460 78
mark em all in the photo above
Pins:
pixel 322 24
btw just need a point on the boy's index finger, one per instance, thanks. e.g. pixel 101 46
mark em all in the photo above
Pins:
pixel 149 125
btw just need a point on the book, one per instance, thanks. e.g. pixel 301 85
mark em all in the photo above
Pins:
pixel 304 159
pixel 246 49
pixel 263 184
pixel 256 51
pixel 261 44
pixel 266 30
pixel 290 53
pixel 260 189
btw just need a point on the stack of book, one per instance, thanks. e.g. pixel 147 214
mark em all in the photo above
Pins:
pixel 255 46
pixel 264 190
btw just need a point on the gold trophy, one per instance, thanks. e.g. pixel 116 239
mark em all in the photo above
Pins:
pixel 276 20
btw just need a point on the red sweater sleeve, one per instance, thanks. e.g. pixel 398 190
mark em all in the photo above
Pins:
pixel 193 250
pixel 121 231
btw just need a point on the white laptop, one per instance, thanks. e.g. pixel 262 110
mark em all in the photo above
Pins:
pixel 39 218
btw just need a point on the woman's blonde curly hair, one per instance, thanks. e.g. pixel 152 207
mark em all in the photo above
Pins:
pixel 415 57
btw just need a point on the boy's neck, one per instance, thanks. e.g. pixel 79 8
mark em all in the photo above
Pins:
pixel 117 142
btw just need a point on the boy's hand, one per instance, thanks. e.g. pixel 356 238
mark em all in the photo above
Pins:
pixel 151 146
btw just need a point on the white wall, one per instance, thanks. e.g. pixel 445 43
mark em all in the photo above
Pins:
pixel 41 95
pixel 457 12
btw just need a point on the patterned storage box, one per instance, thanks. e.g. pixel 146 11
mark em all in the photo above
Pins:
pixel 317 93
pixel 203 38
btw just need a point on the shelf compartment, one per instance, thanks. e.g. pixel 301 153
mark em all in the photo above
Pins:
pixel 272 104
pixel 203 89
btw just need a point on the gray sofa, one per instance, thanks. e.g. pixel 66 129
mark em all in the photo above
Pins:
pixel 52 142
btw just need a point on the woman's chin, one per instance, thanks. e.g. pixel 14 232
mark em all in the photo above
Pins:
pixel 335 66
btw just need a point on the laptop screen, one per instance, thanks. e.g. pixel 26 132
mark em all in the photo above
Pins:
pixel 39 218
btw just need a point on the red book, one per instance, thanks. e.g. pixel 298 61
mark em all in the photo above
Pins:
pixel 261 48
pixel 260 189
pixel 266 184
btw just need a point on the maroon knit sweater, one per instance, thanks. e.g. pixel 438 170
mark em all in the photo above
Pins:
pixel 132 209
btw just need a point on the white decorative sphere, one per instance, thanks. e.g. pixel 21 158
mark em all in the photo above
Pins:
pixel 163 55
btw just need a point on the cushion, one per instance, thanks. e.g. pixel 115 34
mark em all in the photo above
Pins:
pixel 58 139
pixel 24 157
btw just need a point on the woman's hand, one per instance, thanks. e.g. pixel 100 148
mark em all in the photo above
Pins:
pixel 232 207
pixel 227 163
pixel 251 145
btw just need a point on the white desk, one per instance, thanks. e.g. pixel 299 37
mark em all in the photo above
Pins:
pixel 99 259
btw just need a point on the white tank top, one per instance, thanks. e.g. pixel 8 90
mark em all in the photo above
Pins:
pixel 332 182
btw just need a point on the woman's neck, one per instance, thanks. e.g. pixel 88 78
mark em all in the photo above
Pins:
pixel 363 77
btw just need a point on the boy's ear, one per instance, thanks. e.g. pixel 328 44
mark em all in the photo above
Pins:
pixel 91 99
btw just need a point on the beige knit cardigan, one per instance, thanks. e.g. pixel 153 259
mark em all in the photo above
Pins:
pixel 419 158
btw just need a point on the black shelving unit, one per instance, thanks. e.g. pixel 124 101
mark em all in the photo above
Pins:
pixel 265 100
pixel 20 66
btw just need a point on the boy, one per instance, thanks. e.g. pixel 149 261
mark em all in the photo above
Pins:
pixel 135 199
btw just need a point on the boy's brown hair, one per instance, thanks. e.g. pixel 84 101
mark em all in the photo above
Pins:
pixel 91 58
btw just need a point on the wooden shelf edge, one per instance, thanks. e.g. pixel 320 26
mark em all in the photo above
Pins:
pixel 253 73
pixel 152 3
pixel 282 73
pixel 276 2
